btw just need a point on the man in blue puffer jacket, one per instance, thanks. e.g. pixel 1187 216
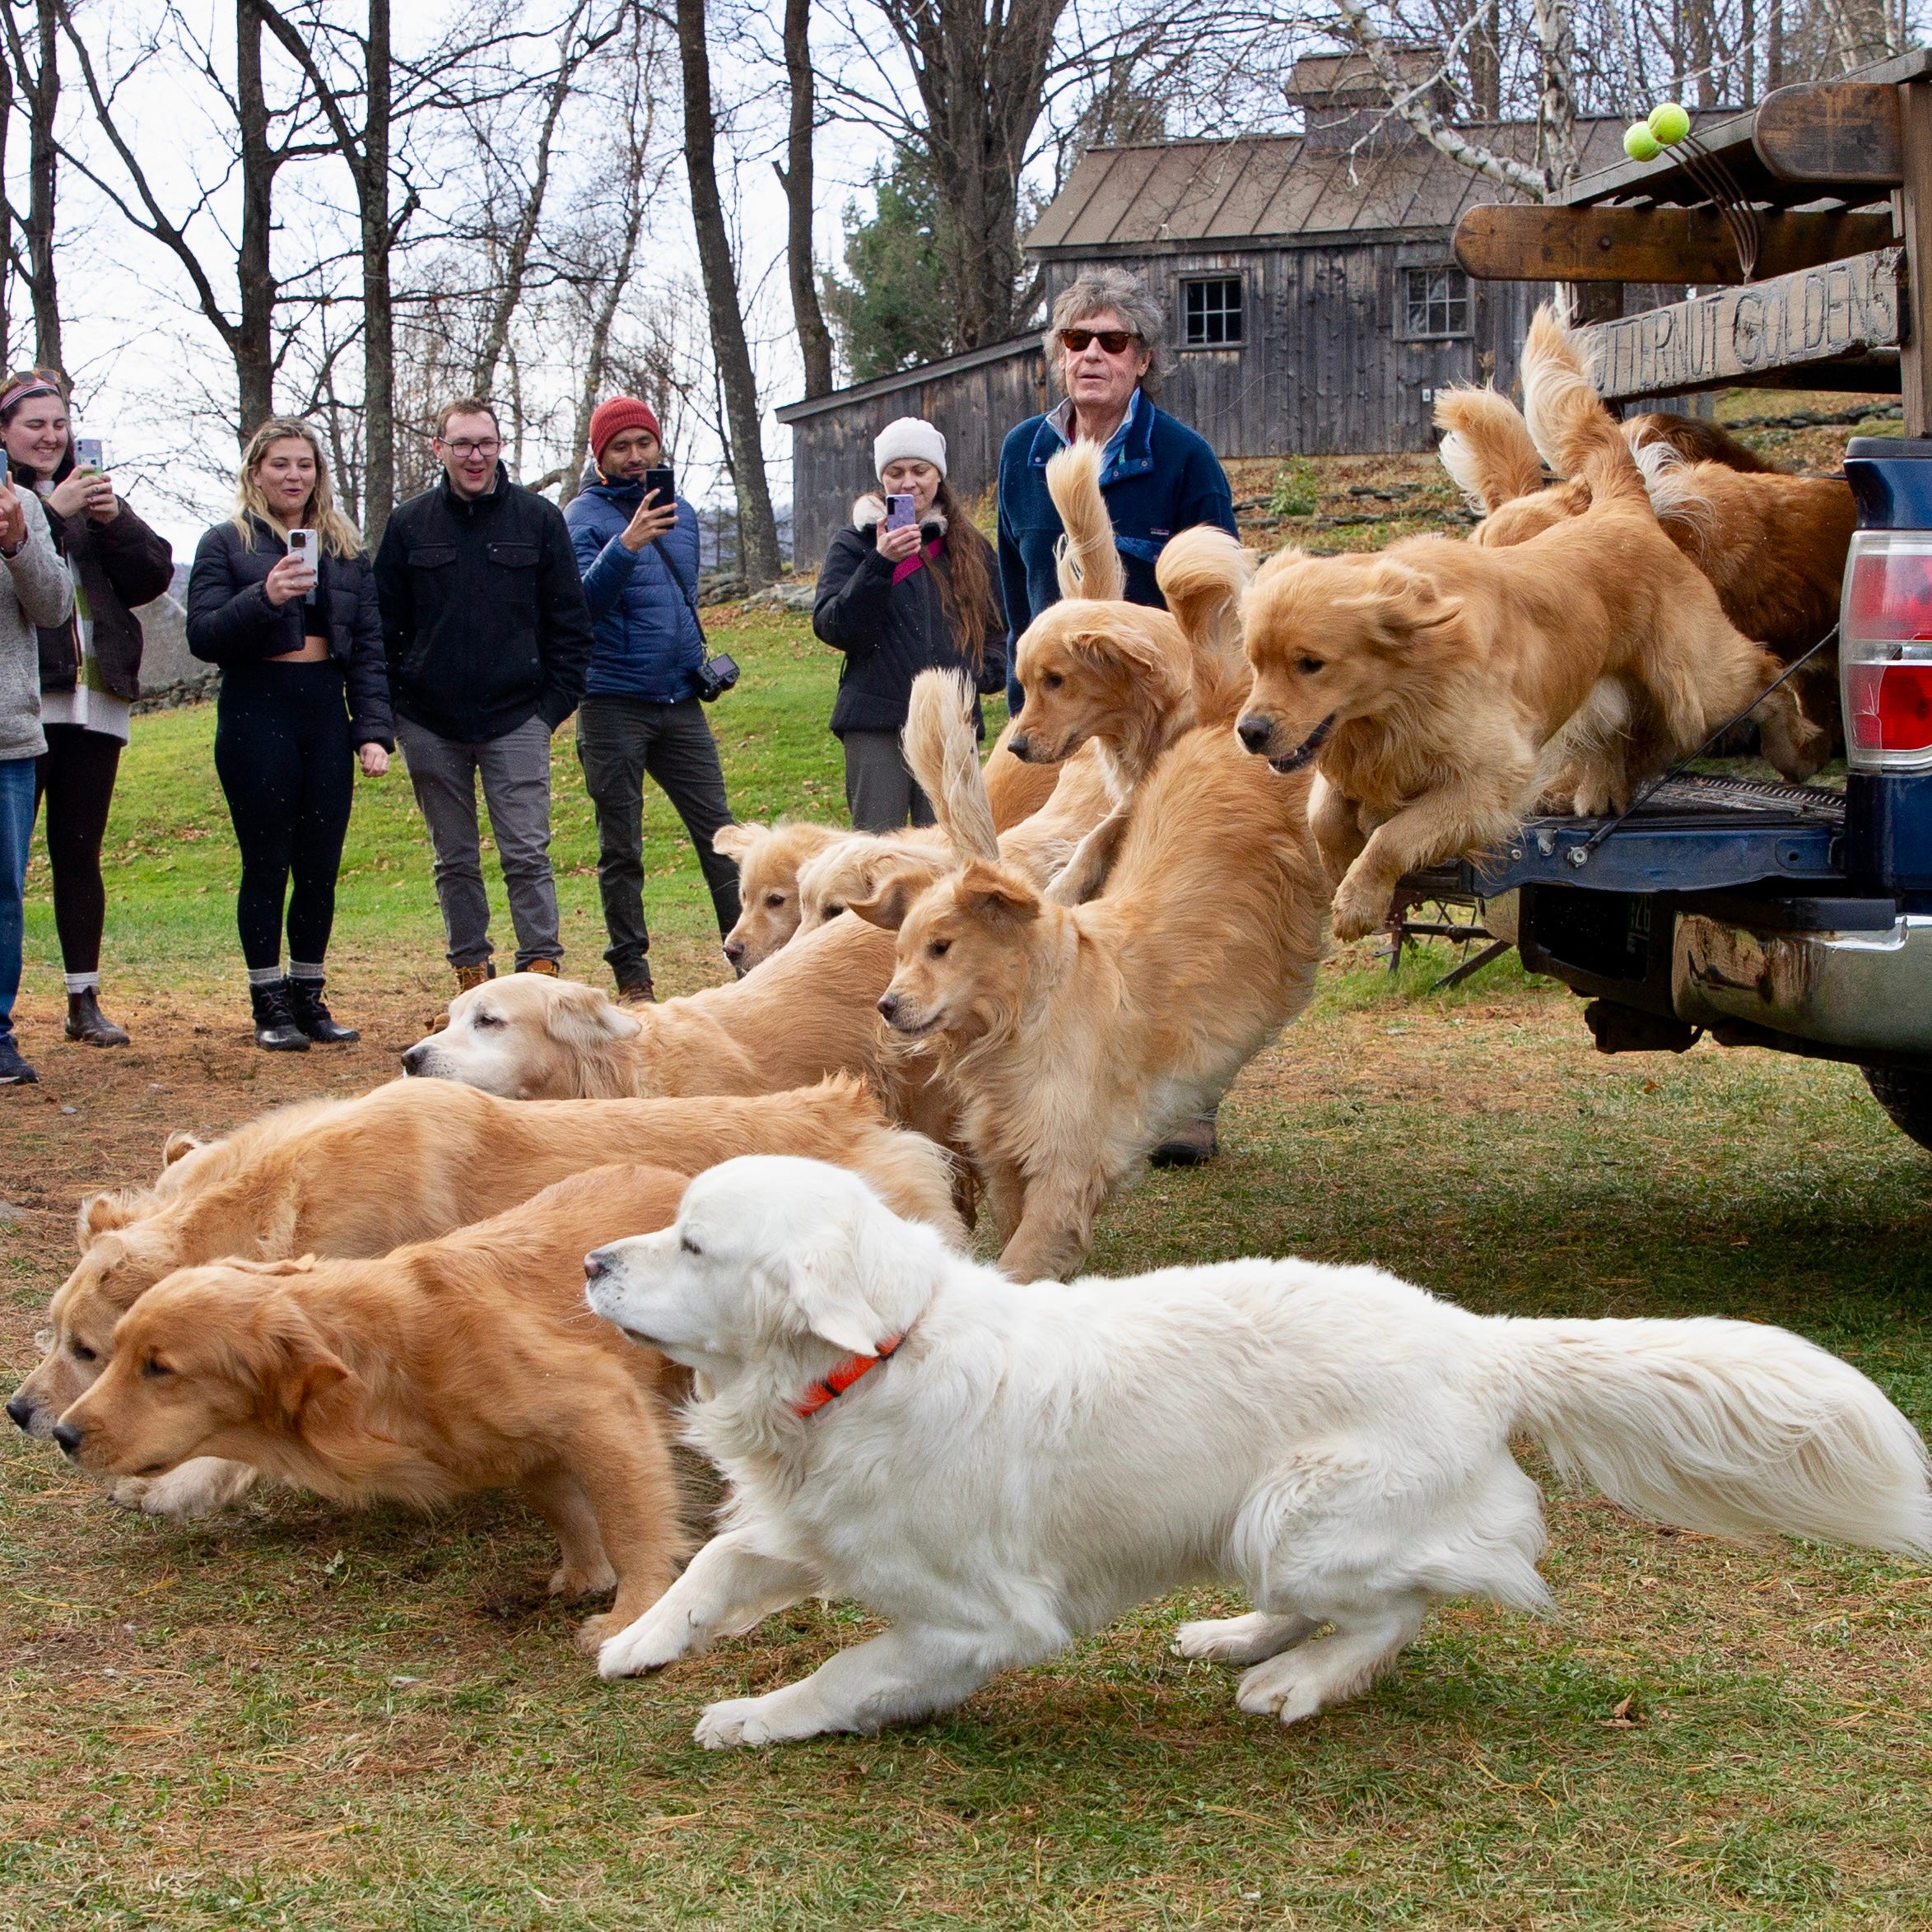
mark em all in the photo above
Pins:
pixel 639 560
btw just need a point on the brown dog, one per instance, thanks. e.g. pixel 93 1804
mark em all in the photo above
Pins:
pixel 465 1363
pixel 1076 1036
pixel 769 858
pixel 1443 686
pixel 1773 545
pixel 417 1159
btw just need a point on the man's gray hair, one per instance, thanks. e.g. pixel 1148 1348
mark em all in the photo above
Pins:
pixel 1093 292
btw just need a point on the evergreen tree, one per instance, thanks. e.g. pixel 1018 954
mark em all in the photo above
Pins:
pixel 889 311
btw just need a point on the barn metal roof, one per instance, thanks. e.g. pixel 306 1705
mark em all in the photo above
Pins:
pixel 1275 189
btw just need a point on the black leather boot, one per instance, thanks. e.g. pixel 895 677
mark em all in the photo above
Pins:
pixel 304 998
pixel 275 1019
pixel 88 1024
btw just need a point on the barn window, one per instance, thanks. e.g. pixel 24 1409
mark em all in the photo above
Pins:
pixel 1437 303
pixel 1211 313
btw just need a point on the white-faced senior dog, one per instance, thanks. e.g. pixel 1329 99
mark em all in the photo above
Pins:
pixel 998 1468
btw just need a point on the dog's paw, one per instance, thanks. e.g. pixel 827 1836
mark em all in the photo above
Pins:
pixel 130 1493
pixel 647 1644
pixel 1283 1688
pixel 747 1720
pixel 1359 910
pixel 569 1580
pixel 1241 1640
pixel 197 1487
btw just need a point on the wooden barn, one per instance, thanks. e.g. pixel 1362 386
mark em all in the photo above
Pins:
pixel 1315 304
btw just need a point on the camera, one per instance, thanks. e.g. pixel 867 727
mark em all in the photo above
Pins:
pixel 715 677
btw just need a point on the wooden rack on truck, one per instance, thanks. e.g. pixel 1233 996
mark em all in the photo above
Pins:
pixel 1809 217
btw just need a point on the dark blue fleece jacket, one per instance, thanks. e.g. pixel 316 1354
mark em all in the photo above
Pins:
pixel 1162 479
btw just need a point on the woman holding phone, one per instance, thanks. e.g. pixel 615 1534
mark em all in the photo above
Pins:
pixel 89 666
pixel 908 586
pixel 282 598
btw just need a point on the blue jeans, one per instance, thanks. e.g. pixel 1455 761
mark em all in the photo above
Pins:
pixel 17 832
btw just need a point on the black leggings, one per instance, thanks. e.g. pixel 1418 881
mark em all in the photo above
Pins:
pixel 75 776
pixel 283 755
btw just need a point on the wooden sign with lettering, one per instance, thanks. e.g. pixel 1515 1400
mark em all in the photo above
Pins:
pixel 1843 308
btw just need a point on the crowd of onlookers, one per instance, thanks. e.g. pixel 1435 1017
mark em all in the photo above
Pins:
pixel 487 617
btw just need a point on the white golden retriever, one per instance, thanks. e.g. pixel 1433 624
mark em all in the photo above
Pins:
pixel 1028 1462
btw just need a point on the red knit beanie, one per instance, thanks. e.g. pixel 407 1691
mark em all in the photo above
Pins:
pixel 620 413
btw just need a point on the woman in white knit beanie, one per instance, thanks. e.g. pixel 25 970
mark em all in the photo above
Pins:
pixel 900 594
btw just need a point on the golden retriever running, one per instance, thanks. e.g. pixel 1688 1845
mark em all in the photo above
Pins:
pixel 418 1159
pixel 1430 681
pixel 1075 1037
pixel 464 1363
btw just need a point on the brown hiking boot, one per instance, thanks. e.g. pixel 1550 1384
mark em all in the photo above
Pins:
pixel 638 992
pixel 548 967
pixel 467 978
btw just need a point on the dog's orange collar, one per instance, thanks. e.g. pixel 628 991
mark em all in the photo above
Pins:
pixel 841 1378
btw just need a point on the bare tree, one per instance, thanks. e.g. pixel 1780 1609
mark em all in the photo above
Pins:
pixel 34 74
pixel 796 176
pixel 249 335
pixel 759 549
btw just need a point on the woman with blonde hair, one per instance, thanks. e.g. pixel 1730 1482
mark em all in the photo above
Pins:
pixel 304 693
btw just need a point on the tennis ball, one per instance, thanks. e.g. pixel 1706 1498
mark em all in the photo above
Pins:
pixel 1640 143
pixel 1668 121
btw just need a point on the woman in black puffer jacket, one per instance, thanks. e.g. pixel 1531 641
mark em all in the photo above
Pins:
pixel 304 696
pixel 922 597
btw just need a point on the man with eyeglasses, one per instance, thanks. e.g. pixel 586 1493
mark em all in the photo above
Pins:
pixel 488 641
pixel 1106 345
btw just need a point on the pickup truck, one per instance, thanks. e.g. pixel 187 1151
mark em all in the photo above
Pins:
pixel 1795 918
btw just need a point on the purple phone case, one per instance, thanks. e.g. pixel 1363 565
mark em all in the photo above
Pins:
pixel 901 511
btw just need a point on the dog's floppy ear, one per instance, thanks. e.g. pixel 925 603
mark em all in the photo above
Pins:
pixel 582 1017
pixel 178 1145
pixel 1406 603
pixel 889 902
pixel 288 1361
pixel 103 1213
pixel 992 890
pixel 826 1286
pixel 739 841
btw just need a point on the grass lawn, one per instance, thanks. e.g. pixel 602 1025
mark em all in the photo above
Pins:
pixel 301 1716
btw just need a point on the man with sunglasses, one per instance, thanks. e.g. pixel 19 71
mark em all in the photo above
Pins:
pixel 488 641
pixel 1107 348
pixel 1105 345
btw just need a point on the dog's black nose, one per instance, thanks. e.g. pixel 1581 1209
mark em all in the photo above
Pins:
pixel 735 950
pixel 1021 745
pixel 68 1436
pixel 412 1059
pixel 889 1006
pixel 1254 731
pixel 22 1411
pixel 594 1268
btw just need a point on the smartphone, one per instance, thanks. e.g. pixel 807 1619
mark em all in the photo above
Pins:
pixel 3 468
pixel 662 485
pixel 900 511
pixel 302 545
pixel 90 454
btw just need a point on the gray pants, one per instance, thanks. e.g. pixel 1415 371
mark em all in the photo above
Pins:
pixel 516 771
pixel 881 792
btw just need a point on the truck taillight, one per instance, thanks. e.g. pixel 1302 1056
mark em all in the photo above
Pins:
pixel 1885 651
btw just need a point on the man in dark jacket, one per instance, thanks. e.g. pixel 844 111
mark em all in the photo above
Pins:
pixel 1159 477
pixel 488 642
pixel 640 711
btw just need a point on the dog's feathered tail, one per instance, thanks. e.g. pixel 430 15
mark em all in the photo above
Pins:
pixel 1202 574
pixel 1728 1427
pixel 1486 446
pixel 945 757
pixel 1578 436
pixel 1087 563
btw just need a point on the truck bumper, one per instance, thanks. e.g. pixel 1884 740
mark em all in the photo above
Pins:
pixel 1858 992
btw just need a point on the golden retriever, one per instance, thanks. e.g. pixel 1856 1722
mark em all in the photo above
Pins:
pixel 1773 545
pixel 1429 682
pixel 417 1159
pixel 464 1363
pixel 1075 1036
pixel 1096 669
pixel 769 858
